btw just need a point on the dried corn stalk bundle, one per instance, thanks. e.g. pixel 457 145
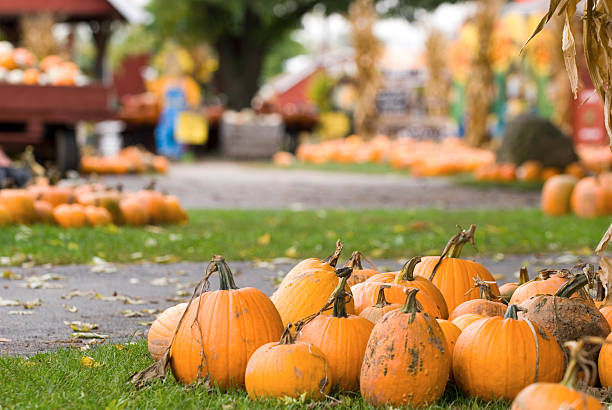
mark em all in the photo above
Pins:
pixel 561 88
pixel 37 34
pixel 437 86
pixel 362 16
pixel 597 39
pixel 479 95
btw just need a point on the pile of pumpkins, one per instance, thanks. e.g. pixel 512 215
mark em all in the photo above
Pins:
pixel 529 171
pixel 422 158
pixel 586 197
pixel 20 66
pixel 129 160
pixel 94 204
pixel 397 338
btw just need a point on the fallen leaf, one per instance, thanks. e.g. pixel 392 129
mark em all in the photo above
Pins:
pixel 131 313
pixel 120 298
pixel 134 281
pixel 604 241
pixel 19 312
pixel 136 255
pixel 291 252
pixel 183 293
pixel 76 292
pixel 159 282
pixel 10 275
pixel 89 362
pixel 88 335
pixel 79 326
pixel 264 239
pixel 150 242
pixel 8 302
pixel 154 229
pixel 165 259
pixel 70 308
pixel 32 303
pixel 107 268
pixel 145 323
pixel 151 311
pixel 119 347
pixel 498 276
pixel 175 237
pixel 418 226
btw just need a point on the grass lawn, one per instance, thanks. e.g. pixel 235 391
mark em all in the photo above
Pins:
pixel 365 168
pixel 469 180
pixel 59 380
pixel 266 234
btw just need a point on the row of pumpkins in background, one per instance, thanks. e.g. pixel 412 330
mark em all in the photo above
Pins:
pixel 430 158
pixel 88 204
pixel 586 197
pixel 20 66
pixel 396 337
pixel 129 160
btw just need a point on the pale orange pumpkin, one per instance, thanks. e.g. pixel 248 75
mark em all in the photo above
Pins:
pixel 97 216
pixel 375 312
pixel 557 193
pixel 162 329
pixel 19 205
pixel 70 215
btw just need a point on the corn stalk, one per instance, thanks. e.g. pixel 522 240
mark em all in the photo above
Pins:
pixel 437 86
pixel 597 40
pixel 561 91
pixel 37 34
pixel 363 16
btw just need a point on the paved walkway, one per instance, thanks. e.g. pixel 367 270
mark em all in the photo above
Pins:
pixel 123 299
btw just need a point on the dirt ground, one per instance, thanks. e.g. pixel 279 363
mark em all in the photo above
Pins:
pixel 114 296
pixel 216 184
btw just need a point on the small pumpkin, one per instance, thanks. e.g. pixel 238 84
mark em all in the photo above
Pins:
pixel 97 216
pixel 489 373
pixel 451 334
pixel 154 204
pixel 70 216
pixel 244 319
pixel 44 212
pixel 567 318
pixel 529 171
pixel 19 205
pixel 375 312
pixel 174 211
pixel 132 211
pixel 463 321
pixel 557 193
pixel 288 369
pixel 359 273
pixel 342 338
pixel 563 395
pixel 584 198
pixel 454 276
pixel 405 277
pixel 488 304
pixel 507 290
pixel 365 295
pixel 547 282
pixel 162 329
pixel 407 360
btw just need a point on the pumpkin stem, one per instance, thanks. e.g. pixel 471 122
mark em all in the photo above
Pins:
pixel 485 290
pixel 411 305
pixel 286 337
pixel 333 258
pixel 226 278
pixel 381 301
pixel 579 359
pixel 512 312
pixel 573 286
pixel 454 246
pixel 407 272
pixel 354 261
pixel 523 276
pixel 340 293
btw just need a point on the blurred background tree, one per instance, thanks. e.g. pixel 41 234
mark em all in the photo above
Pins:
pixel 243 33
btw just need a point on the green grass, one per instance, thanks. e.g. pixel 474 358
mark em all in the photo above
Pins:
pixel 59 381
pixel 469 180
pixel 365 168
pixel 242 234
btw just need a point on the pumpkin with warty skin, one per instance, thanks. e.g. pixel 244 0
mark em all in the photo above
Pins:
pixel 405 277
pixel 162 329
pixel 359 273
pixel 563 395
pixel 288 369
pixel 342 338
pixel 244 319
pixel 463 321
pixel 70 216
pixel 454 276
pixel 507 290
pixel 306 288
pixel 487 305
pixel 365 294
pixel 376 312
pixel 407 360
pixel 19 205
pixel 488 373
pixel 557 193
pixel 567 318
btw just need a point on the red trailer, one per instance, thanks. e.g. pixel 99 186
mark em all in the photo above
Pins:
pixel 45 116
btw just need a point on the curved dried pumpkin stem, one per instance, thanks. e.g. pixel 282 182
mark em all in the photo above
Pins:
pixel 340 294
pixel 381 301
pixel 411 305
pixel 523 276
pixel 407 271
pixel 333 258
pixel 226 278
pixel 512 312
pixel 573 286
pixel 454 246
pixel 286 337
pixel 354 261
pixel 579 359
pixel 485 290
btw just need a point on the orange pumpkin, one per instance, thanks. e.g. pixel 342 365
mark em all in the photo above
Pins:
pixel 132 211
pixel 162 329
pixel 174 211
pixel 605 363
pixel 529 171
pixel 19 205
pixel 283 159
pixel 454 276
pixel 375 312
pixel 70 216
pixel 546 283
pixel 244 319
pixel 451 334
pixel 407 360
pixel 359 273
pixel 315 264
pixel 5 217
pixel 365 295
pixel 507 290
pixel 557 193
pixel 488 304
pixel 584 198
pixel 154 204
pixel 576 170
pixel 97 216
pixel 30 76
pixel 463 321
pixel 161 164
pixel 405 277
pixel 44 212
pixel 342 338
pixel 603 197
pixel 288 369
pixel 549 172
pixel 488 373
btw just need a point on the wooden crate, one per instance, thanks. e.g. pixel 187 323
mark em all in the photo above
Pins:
pixel 253 139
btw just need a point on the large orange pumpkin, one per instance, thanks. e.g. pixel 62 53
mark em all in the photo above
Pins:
pixel 487 305
pixel 405 277
pixel 288 369
pixel 315 263
pixel 517 354
pixel 70 216
pixel 244 319
pixel 19 205
pixel 342 338
pixel 454 276
pixel 359 273
pixel 557 193
pixel 376 312
pixel 5 218
pixel 162 329
pixel 407 360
